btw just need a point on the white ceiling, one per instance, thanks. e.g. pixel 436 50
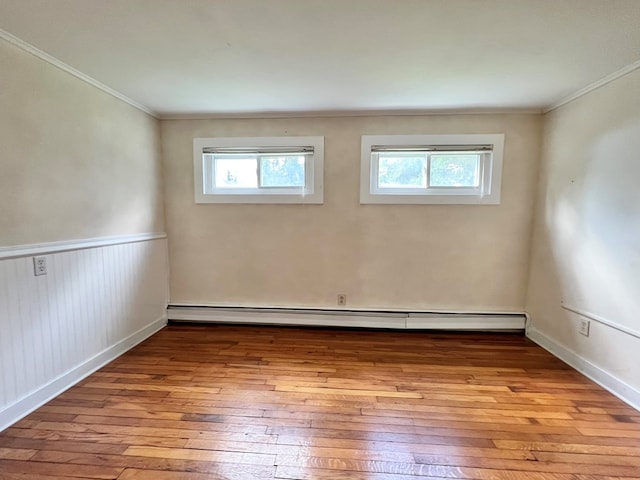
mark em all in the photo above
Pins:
pixel 252 56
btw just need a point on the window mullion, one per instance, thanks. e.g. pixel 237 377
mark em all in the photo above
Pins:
pixel 428 172
pixel 259 171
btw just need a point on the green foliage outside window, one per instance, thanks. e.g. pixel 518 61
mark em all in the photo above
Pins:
pixel 282 171
pixel 398 170
pixel 454 170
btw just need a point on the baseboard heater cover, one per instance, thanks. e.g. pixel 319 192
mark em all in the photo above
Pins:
pixel 349 318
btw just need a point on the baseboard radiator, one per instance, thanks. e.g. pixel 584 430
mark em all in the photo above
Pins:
pixel 418 320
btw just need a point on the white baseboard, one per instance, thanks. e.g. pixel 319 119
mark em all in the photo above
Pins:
pixel 348 318
pixel 606 380
pixel 36 399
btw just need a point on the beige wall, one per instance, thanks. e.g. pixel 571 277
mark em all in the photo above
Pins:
pixel 586 249
pixel 75 162
pixel 382 256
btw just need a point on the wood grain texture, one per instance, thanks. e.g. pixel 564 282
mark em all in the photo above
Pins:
pixel 244 402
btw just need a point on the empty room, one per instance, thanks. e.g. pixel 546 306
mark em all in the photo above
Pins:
pixel 320 239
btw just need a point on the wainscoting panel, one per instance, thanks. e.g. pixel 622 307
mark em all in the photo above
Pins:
pixel 93 304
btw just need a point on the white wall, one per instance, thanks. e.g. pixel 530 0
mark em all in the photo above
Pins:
pixel 586 247
pixel 460 257
pixel 75 161
pixel 75 164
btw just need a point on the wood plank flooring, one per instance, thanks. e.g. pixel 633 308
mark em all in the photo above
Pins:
pixel 244 402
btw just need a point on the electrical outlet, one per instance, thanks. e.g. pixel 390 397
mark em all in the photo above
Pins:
pixel 342 299
pixel 39 266
pixel 584 327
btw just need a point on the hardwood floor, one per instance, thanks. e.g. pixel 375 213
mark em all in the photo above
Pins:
pixel 243 402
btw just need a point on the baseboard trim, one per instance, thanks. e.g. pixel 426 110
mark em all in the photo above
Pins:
pixel 55 387
pixel 349 318
pixel 609 382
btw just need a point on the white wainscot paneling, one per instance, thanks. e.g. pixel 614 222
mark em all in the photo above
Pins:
pixel 94 303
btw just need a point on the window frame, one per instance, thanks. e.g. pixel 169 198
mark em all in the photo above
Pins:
pixel 205 190
pixel 487 193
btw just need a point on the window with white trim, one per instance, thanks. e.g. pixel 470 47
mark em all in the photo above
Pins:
pixel 258 169
pixel 431 169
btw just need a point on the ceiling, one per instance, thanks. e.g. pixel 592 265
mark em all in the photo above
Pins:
pixel 267 56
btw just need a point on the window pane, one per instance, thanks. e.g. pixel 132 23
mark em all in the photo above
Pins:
pixel 454 170
pixel 398 170
pixel 236 172
pixel 282 171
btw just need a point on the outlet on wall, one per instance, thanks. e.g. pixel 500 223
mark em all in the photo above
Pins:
pixel 584 327
pixel 342 299
pixel 39 266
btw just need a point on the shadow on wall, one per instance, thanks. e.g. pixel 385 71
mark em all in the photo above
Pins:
pixel 594 228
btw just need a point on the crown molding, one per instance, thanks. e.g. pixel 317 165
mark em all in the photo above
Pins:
pixel 594 86
pixel 27 47
pixel 349 113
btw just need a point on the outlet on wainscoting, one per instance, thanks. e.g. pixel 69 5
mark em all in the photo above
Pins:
pixel 39 266
pixel 584 327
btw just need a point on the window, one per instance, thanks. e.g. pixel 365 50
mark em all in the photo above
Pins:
pixel 440 169
pixel 258 169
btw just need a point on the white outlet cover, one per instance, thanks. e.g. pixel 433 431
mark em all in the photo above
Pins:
pixel 584 327
pixel 39 266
